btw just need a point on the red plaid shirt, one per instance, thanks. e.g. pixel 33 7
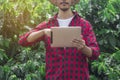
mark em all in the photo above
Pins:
pixel 66 63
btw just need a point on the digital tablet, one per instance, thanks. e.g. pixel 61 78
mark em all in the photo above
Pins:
pixel 63 36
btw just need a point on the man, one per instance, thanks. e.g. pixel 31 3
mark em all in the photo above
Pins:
pixel 65 63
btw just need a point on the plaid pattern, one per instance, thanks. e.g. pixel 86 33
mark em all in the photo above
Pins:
pixel 66 63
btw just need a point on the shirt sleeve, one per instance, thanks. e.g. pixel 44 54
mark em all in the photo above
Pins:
pixel 91 42
pixel 23 38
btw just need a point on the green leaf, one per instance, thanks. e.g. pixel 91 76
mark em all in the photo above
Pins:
pixel 112 40
pixel 13 77
pixel 116 55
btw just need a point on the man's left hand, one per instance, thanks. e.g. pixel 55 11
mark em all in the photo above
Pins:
pixel 79 43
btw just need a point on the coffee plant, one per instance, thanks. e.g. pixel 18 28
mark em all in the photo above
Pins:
pixel 20 16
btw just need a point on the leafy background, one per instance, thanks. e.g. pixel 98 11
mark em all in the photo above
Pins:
pixel 28 63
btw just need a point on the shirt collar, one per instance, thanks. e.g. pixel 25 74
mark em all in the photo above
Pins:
pixel 74 12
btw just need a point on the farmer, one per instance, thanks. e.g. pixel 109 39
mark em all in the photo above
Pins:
pixel 68 63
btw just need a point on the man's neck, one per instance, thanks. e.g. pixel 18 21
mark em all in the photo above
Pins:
pixel 65 14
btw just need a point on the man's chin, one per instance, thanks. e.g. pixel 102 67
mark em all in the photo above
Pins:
pixel 64 9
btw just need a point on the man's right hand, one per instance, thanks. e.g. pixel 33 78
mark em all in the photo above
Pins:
pixel 47 32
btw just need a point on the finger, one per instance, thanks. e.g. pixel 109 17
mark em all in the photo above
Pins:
pixel 47 32
pixel 76 44
pixel 79 45
pixel 78 41
pixel 81 36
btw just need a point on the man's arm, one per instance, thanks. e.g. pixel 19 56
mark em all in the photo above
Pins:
pixel 88 44
pixel 91 42
pixel 33 36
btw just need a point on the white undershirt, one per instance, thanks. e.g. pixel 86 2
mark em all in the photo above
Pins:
pixel 64 22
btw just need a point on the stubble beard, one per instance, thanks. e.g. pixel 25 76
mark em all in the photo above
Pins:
pixel 64 4
pixel 64 9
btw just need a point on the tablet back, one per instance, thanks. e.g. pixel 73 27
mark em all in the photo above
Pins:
pixel 62 36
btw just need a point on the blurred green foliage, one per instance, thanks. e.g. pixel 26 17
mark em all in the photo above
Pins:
pixel 19 16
